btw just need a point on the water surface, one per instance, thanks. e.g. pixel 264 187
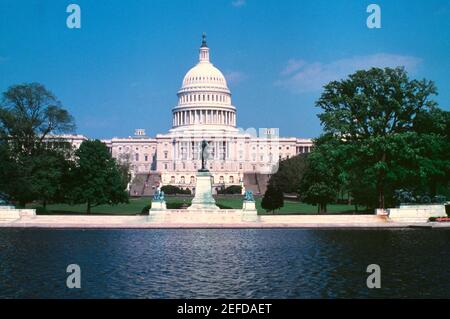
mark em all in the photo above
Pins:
pixel 225 263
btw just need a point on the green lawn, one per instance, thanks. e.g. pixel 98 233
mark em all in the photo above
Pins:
pixel 137 204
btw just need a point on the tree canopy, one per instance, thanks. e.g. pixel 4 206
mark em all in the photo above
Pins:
pixel 273 198
pixel 96 178
pixel 29 168
pixel 384 132
pixel 28 114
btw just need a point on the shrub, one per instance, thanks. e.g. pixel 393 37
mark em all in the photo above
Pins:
pixel 273 199
pixel 146 209
pixel 234 189
pixel 174 190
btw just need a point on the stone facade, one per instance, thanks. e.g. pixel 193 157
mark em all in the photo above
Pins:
pixel 205 112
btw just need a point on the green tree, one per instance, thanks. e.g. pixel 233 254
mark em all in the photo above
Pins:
pixel 432 140
pixel 373 113
pixel 50 170
pixel 321 182
pixel 28 114
pixel 96 178
pixel 273 199
pixel 29 168
pixel 290 173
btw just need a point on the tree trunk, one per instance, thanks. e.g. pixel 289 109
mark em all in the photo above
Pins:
pixel 381 198
pixel 323 208
pixel 433 189
pixel 44 204
pixel 380 184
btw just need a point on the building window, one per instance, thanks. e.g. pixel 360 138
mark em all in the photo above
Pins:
pixel 165 154
pixel 146 157
pixel 136 157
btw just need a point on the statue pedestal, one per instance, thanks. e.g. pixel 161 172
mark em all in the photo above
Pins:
pixel 249 205
pixel 203 199
pixel 158 211
pixel 158 205
pixel 249 213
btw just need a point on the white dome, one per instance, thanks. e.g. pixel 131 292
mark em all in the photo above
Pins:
pixel 204 74
pixel 204 100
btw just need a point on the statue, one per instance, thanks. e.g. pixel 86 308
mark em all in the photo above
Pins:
pixel 204 156
pixel 404 196
pixel 248 196
pixel 158 195
pixel 4 201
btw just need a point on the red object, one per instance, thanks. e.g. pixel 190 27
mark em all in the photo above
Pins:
pixel 443 219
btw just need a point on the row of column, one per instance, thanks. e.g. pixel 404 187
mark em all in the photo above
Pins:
pixel 204 117
pixel 218 150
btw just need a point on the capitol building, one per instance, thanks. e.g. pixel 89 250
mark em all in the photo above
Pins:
pixel 204 112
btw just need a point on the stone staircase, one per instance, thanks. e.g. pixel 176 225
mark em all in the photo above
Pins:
pixel 255 182
pixel 144 184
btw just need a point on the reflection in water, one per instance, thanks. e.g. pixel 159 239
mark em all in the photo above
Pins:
pixel 208 263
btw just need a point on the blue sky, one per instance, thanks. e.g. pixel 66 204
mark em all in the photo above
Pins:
pixel 122 69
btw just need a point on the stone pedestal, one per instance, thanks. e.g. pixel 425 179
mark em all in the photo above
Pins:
pixel 249 205
pixel 158 205
pixel 416 213
pixel 10 213
pixel 203 199
pixel 158 211
pixel 249 213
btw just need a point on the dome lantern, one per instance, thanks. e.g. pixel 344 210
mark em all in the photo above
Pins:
pixel 204 50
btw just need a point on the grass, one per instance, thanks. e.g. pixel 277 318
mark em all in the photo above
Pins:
pixel 136 205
